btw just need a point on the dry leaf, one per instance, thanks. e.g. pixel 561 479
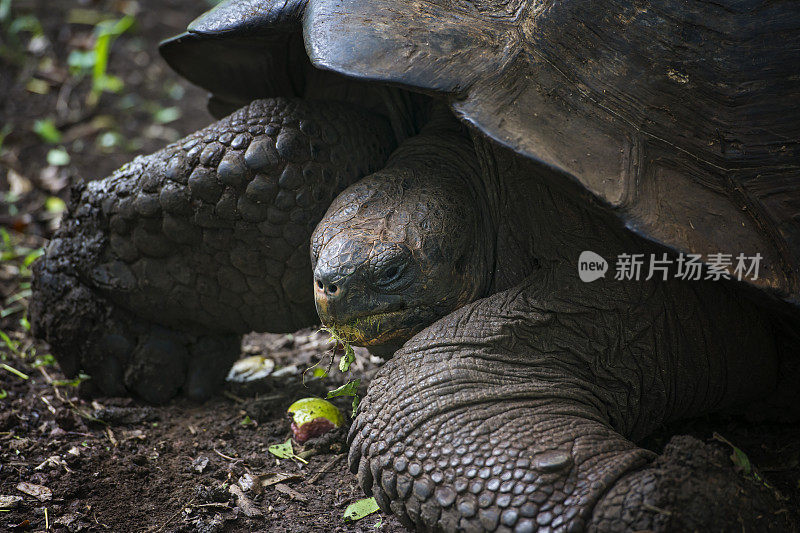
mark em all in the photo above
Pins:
pixel 40 492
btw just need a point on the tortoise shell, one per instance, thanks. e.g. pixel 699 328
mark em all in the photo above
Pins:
pixel 682 117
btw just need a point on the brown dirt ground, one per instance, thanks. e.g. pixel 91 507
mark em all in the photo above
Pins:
pixel 118 465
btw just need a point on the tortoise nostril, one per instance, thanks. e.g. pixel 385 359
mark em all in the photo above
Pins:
pixel 331 290
pixel 330 283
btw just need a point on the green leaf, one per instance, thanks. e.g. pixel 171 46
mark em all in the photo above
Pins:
pixel 360 509
pixel 348 389
pixel 44 360
pixel 11 309
pixel 6 238
pixel 58 157
pixel 21 295
pixel 738 457
pixel 37 86
pixel 115 28
pixel 285 451
pixel 106 31
pixel 11 345
pixel 349 355
pixel 347 359
pixel 47 131
pixel 109 140
pixel 5 131
pixel 26 23
pixel 53 204
pixel 35 254
pixel 3 394
pixel 71 382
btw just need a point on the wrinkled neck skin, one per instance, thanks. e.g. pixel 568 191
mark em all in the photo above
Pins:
pixel 407 245
pixel 649 351
pixel 451 218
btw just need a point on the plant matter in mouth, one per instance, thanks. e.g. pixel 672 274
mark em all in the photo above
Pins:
pixel 347 358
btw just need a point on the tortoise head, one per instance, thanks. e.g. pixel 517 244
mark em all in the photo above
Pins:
pixel 394 253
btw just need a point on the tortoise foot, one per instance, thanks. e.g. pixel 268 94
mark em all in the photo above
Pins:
pixel 692 486
pixel 124 354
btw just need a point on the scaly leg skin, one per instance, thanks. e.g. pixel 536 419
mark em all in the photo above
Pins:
pixel 517 412
pixel 158 269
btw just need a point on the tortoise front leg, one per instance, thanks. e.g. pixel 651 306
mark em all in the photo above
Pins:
pixel 516 412
pixel 159 268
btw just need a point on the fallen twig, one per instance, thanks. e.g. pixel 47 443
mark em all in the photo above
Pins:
pixel 212 504
pixel 228 457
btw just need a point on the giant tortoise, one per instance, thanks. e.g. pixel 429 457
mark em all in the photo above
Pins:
pixel 449 163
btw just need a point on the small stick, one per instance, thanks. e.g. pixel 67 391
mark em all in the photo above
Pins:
pixel 44 373
pixel 48 404
pixel 225 456
pixel 212 504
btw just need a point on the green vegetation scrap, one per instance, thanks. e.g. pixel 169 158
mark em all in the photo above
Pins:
pixel 348 356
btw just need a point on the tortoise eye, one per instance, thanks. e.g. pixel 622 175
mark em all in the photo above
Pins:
pixel 391 273
pixel 389 267
pixel 387 278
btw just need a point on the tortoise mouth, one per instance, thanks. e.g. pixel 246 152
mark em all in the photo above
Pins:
pixel 376 330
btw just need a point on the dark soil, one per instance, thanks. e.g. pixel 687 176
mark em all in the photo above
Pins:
pixel 115 464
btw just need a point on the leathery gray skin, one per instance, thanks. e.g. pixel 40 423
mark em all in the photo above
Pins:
pixel 517 411
pixel 159 268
